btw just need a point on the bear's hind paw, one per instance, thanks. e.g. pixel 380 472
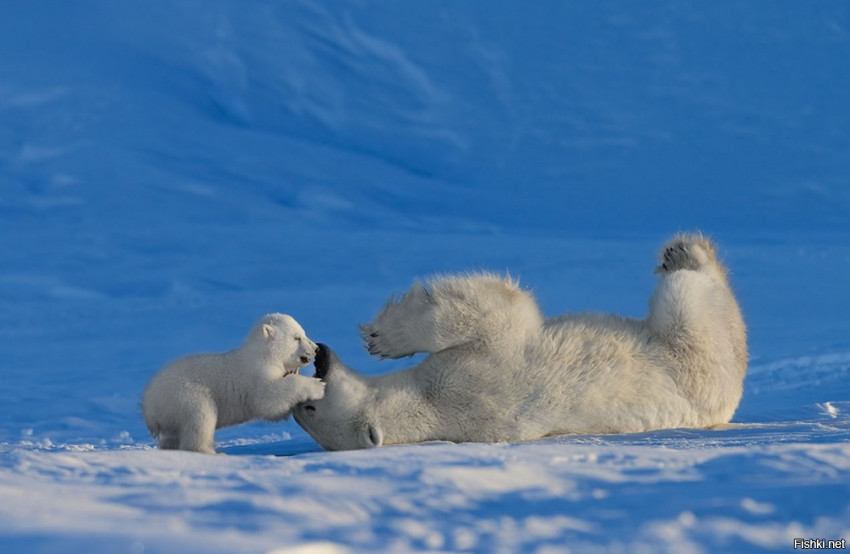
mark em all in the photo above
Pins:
pixel 691 252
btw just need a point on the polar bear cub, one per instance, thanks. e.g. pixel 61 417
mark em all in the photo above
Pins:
pixel 193 396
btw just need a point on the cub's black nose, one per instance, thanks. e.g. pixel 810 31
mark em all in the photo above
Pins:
pixel 323 361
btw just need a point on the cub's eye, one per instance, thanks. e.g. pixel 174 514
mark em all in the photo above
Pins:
pixel 297 339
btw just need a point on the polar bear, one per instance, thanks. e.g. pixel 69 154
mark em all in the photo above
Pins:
pixel 498 371
pixel 193 396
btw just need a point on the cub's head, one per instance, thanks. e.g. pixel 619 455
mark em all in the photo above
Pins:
pixel 282 339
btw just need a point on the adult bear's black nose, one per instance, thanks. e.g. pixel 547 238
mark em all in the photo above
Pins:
pixel 323 360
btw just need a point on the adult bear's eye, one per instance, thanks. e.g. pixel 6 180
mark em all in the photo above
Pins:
pixel 297 339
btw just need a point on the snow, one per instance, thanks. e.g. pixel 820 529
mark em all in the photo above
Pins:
pixel 170 171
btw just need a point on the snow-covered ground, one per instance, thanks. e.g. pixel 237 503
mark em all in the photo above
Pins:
pixel 170 171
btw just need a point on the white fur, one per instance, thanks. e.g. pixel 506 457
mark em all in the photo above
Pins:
pixel 191 397
pixel 499 371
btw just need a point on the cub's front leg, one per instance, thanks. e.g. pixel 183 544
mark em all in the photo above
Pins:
pixel 274 401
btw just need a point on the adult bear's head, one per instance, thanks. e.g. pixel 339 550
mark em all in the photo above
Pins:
pixel 363 412
pixel 344 419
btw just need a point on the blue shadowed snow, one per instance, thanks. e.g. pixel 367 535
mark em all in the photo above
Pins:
pixel 170 171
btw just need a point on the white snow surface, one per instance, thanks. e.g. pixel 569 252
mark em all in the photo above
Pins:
pixel 170 171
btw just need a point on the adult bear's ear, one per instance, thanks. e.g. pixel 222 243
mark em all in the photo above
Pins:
pixel 267 330
pixel 371 436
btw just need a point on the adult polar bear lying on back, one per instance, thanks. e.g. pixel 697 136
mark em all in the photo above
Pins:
pixel 499 371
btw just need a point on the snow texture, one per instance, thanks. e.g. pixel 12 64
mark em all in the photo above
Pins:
pixel 170 171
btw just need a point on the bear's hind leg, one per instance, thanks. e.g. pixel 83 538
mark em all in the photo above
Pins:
pixel 694 314
pixel 687 294
pixel 197 433
pixel 167 440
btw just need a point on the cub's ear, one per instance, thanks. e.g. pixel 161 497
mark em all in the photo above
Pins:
pixel 267 330
pixel 371 437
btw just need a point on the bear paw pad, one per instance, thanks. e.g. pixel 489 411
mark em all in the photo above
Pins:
pixel 691 252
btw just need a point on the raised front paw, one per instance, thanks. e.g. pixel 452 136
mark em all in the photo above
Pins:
pixel 404 327
pixel 381 342
pixel 692 252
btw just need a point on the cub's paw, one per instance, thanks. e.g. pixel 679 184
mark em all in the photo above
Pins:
pixel 693 252
pixel 307 388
